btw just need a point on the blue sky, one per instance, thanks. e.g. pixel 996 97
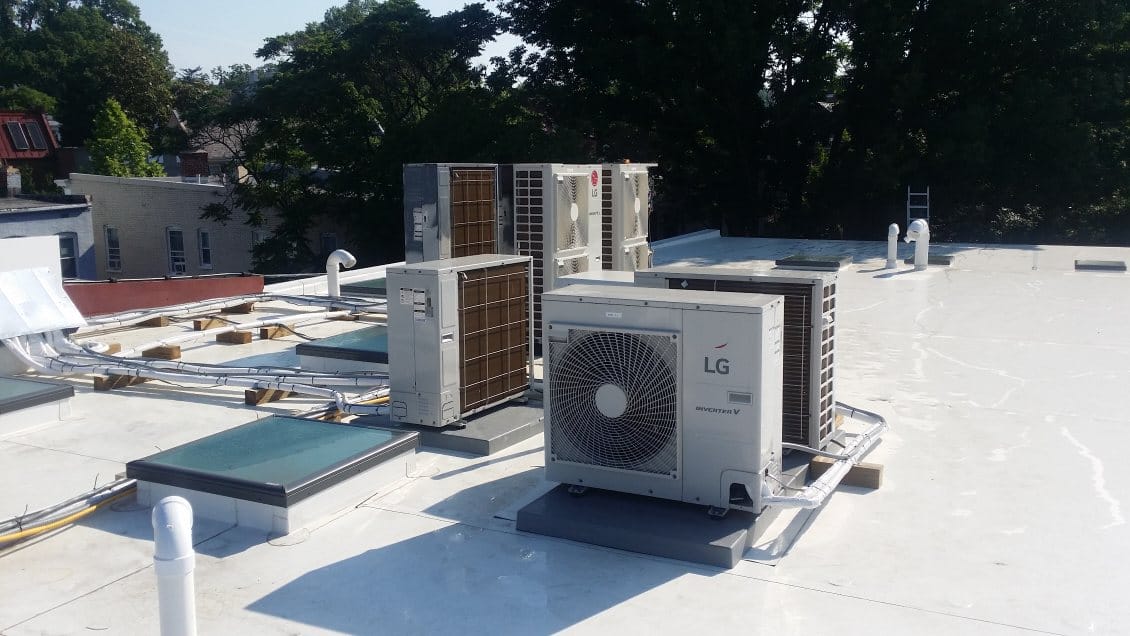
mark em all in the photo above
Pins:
pixel 210 33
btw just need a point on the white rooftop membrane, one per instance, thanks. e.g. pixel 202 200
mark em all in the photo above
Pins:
pixel 1003 508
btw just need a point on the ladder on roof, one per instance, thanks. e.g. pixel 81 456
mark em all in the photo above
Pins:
pixel 917 205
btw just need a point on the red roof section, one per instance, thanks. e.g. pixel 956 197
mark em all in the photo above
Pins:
pixel 18 139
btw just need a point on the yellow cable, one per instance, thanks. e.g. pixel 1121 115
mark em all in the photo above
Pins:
pixel 31 532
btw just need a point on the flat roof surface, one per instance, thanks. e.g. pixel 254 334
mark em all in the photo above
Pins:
pixel 1002 509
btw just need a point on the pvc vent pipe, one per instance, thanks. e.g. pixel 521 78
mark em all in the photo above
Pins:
pixel 892 245
pixel 174 562
pixel 919 232
pixel 337 257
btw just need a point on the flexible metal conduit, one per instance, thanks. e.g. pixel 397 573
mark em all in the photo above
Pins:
pixel 53 365
pixel 814 494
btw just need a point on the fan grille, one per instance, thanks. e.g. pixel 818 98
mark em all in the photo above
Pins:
pixel 644 436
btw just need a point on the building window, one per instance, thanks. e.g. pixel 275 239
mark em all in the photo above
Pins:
pixel 329 244
pixel 174 238
pixel 68 255
pixel 204 239
pixel 113 250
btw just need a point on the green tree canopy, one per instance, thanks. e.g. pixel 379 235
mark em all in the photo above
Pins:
pixel 118 147
pixel 81 52
pixel 374 85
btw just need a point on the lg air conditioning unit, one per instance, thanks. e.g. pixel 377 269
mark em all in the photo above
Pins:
pixel 625 209
pixel 452 210
pixel 557 223
pixel 663 393
pixel 458 337
pixel 809 335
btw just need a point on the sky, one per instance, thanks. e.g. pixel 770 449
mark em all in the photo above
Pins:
pixel 211 33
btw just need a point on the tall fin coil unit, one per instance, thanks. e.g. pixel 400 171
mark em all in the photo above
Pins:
pixel 625 213
pixel 557 223
pixel 452 210
pixel 663 393
pixel 459 337
pixel 808 401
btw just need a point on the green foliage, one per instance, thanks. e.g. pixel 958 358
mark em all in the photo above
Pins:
pixel 26 98
pixel 354 97
pixel 118 148
pixel 81 52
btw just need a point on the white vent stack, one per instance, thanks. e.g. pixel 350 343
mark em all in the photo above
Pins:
pixel 174 561
pixel 892 245
pixel 919 233
pixel 337 257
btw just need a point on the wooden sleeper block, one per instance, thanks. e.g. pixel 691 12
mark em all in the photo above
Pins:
pixel 163 352
pixel 234 337
pixel 112 348
pixel 862 475
pixel 159 321
pixel 254 397
pixel 112 382
pixel 270 333
pixel 203 324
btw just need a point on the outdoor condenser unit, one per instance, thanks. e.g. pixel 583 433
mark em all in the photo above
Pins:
pixel 625 210
pixel 557 220
pixel 809 339
pixel 664 393
pixel 452 210
pixel 459 336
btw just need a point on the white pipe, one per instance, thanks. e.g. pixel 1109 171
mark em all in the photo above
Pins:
pixel 49 365
pixel 297 319
pixel 814 495
pixel 174 561
pixel 919 232
pixel 203 306
pixel 337 257
pixel 892 245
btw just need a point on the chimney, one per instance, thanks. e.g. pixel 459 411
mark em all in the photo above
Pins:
pixel 13 182
pixel 194 166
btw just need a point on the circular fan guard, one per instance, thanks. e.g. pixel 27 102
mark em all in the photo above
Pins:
pixel 643 436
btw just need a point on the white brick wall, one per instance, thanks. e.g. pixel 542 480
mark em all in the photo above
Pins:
pixel 142 210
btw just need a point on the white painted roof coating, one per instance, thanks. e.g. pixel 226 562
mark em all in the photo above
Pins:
pixel 1003 508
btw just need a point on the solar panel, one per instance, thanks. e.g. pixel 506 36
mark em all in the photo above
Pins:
pixel 17 134
pixel 38 141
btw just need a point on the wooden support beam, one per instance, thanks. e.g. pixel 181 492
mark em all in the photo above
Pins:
pixel 159 321
pixel 346 318
pixel 245 308
pixel 202 324
pixel 863 474
pixel 234 337
pixel 112 348
pixel 111 382
pixel 270 333
pixel 253 397
pixel 163 352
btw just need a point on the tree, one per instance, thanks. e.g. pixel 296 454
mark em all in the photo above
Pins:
pixel 81 52
pixel 118 148
pixel 26 98
pixel 373 86
pixel 723 94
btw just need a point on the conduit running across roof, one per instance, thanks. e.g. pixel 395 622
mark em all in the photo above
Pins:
pixel 47 360
pixel 355 305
